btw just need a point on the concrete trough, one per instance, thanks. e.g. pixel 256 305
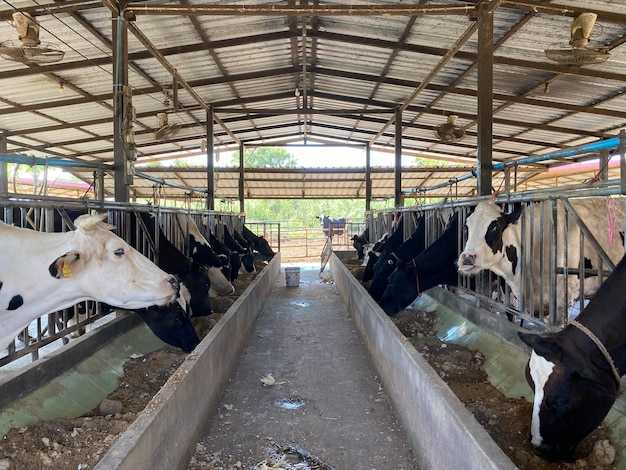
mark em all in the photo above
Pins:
pixel 442 432
pixel 164 435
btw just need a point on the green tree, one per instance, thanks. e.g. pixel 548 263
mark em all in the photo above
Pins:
pixel 265 157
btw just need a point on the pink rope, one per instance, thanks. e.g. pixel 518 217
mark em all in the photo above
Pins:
pixel 610 217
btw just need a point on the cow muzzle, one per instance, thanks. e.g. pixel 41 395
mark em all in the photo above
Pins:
pixel 467 263
pixel 468 259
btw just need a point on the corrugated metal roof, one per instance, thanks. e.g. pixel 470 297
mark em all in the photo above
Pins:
pixel 247 60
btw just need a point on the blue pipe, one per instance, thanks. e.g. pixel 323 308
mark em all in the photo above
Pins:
pixel 582 149
pixel 54 162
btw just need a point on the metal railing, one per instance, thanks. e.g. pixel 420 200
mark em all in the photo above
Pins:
pixel 549 284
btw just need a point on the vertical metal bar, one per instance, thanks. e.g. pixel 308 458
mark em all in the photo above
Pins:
pixel 368 178
pixel 527 259
pixel 552 311
pixel 398 160
pixel 210 165
pixel 622 160
pixel 563 321
pixel 120 77
pixel 242 176
pixel 485 99
pixel 4 175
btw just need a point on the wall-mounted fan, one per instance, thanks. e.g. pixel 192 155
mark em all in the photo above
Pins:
pixel 165 130
pixel 577 51
pixel 450 132
pixel 29 48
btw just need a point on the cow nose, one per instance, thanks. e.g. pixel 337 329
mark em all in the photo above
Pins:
pixel 469 259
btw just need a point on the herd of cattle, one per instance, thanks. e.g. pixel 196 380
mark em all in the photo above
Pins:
pixel 576 372
pixel 44 272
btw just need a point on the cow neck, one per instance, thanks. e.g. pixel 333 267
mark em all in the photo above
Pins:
pixel 512 236
pixel 606 313
pixel 602 349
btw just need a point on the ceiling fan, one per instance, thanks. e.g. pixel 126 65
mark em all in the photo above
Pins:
pixel 165 129
pixel 449 132
pixel 577 51
pixel 29 48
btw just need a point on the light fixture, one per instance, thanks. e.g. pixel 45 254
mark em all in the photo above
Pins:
pixel 61 87
pixel 297 92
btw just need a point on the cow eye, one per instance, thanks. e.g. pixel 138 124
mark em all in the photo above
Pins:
pixel 390 262
pixel 119 252
pixel 557 401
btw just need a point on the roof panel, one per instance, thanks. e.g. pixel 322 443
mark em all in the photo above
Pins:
pixel 270 78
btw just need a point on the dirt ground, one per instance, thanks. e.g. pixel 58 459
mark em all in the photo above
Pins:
pixel 81 442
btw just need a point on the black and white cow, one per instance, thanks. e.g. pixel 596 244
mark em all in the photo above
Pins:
pixel 202 252
pixel 434 266
pixel 495 241
pixel 193 276
pixel 574 381
pixel 233 258
pixel 332 226
pixel 259 244
pixel 359 241
pixel 43 273
pixel 384 246
pixel 170 323
pixel 387 262
pixel 245 254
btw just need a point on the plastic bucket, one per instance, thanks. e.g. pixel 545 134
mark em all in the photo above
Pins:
pixel 292 277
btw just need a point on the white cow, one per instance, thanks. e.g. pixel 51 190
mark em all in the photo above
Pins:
pixel 42 273
pixel 495 242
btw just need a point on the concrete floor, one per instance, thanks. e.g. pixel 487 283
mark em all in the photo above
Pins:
pixel 327 399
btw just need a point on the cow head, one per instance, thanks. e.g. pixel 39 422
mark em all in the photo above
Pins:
pixel 172 325
pixel 247 262
pixel 400 290
pixel 571 397
pixel 359 242
pixel 384 266
pixel 491 244
pixel 110 270
pixel 262 246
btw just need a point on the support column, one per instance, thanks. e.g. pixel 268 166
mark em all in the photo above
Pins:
pixel 485 99
pixel 368 178
pixel 241 179
pixel 398 161
pixel 210 165
pixel 123 142
pixel 4 175
pixel 604 165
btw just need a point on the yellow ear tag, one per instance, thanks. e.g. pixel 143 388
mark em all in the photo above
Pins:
pixel 67 271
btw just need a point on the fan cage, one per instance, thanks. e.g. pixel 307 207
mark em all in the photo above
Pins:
pixel 569 56
pixel 43 54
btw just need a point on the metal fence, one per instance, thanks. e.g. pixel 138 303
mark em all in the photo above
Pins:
pixel 551 287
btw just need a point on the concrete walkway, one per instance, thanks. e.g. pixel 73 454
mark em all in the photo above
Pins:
pixel 327 399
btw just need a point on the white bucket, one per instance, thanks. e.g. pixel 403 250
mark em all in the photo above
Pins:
pixel 292 277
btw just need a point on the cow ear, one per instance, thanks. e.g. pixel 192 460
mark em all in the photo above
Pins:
pixel 513 216
pixel 540 344
pixel 67 265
